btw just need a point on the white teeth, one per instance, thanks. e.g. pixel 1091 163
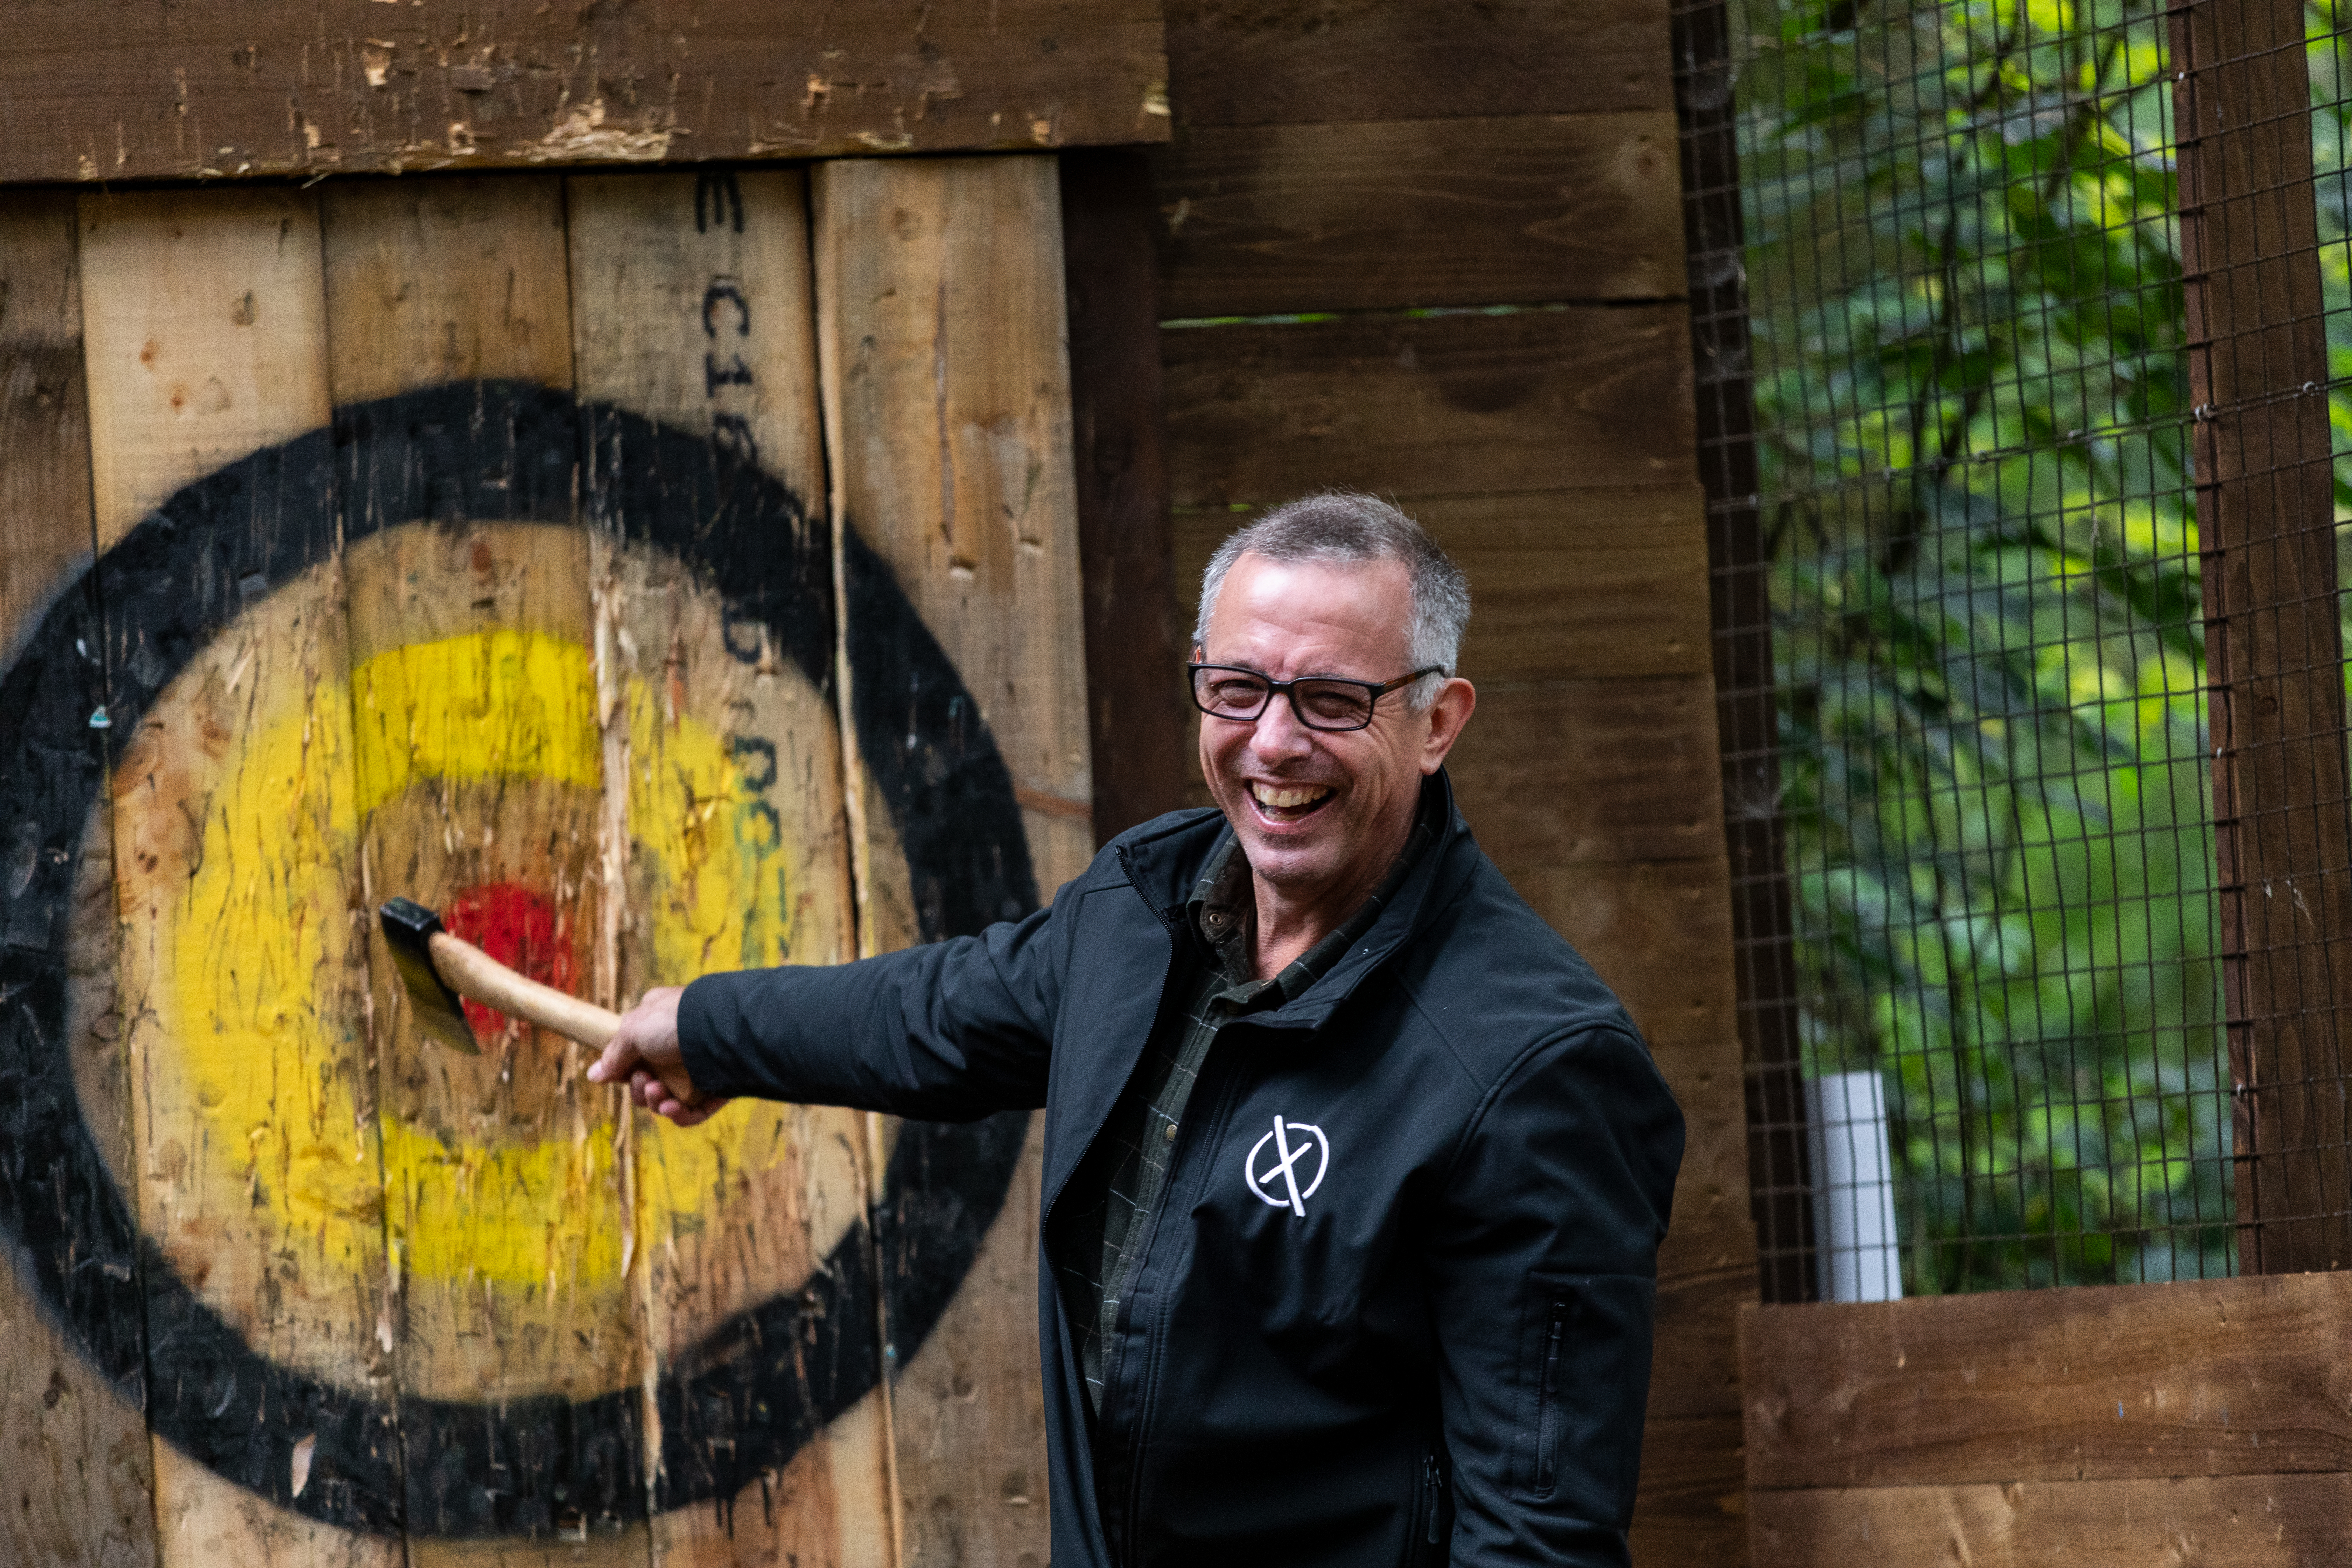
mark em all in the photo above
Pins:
pixel 1304 796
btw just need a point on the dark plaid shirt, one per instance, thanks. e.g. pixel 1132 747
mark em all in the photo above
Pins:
pixel 1127 1169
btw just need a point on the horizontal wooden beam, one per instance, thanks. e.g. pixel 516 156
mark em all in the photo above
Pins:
pixel 1257 220
pixel 1634 562
pixel 1658 932
pixel 2230 1522
pixel 2109 1383
pixel 110 91
pixel 1576 398
pixel 1243 62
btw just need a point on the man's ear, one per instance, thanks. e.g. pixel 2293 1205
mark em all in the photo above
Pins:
pixel 1455 701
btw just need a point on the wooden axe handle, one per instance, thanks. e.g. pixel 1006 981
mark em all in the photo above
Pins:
pixel 471 972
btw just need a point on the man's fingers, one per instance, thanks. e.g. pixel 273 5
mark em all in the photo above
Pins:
pixel 613 1064
pixel 691 1115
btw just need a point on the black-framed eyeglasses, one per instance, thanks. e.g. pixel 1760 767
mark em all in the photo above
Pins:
pixel 1327 702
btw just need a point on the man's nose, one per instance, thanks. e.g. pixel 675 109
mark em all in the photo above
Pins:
pixel 1279 736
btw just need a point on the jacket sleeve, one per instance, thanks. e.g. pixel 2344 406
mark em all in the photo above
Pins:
pixel 1544 1269
pixel 950 1031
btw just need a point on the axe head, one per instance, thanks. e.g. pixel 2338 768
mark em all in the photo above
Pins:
pixel 408 929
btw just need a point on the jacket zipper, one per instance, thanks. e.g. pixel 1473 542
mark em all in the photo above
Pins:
pixel 1223 1115
pixel 1134 1479
pixel 1432 1490
pixel 1548 1403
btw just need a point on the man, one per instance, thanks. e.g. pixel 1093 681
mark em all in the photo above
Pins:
pixel 1355 1174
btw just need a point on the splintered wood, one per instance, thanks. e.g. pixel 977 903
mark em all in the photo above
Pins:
pixel 941 323
pixel 474 540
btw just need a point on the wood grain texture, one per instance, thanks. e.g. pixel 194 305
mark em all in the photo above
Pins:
pixel 1570 771
pixel 1259 62
pixel 1576 585
pixel 93 92
pixel 2106 1383
pixel 44 412
pixel 1693 1506
pixel 1461 404
pixel 693 305
pixel 2266 512
pixel 1139 730
pixel 1706 1269
pixel 234 884
pixel 74 1445
pixel 2237 1522
pixel 224 381
pixel 475 714
pixel 1259 220
pixel 941 320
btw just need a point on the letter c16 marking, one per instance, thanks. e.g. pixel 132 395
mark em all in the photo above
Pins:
pixel 1277 1185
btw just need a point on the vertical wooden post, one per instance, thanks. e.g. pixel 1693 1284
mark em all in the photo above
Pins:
pixel 940 329
pixel 1139 724
pixel 71 1433
pixel 1747 714
pixel 235 874
pixel 481 775
pixel 2258 375
pixel 724 843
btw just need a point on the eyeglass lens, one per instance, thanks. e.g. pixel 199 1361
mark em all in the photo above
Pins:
pixel 1321 704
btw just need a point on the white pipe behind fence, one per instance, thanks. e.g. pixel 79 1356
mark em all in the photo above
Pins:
pixel 1856 1257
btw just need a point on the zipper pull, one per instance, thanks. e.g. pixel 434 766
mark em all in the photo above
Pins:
pixel 1433 1482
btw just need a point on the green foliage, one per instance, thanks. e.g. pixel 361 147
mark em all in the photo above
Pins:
pixel 1972 398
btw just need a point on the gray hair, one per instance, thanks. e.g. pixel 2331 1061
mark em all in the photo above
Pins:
pixel 1343 527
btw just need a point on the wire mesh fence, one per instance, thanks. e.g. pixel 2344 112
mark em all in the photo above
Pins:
pixel 2011 422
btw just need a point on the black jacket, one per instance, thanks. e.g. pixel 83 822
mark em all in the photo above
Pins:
pixel 1452 1345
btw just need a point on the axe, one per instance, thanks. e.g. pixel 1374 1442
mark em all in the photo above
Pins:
pixel 439 969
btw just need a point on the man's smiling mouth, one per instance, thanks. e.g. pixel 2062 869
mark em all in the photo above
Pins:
pixel 1289 803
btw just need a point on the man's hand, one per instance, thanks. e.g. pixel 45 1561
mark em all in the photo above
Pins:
pixel 645 1052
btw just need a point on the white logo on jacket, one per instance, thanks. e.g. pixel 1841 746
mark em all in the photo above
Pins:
pixel 1277 1185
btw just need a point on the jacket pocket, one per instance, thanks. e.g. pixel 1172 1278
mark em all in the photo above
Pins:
pixel 1548 1396
pixel 1582 1381
pixel 1424 1539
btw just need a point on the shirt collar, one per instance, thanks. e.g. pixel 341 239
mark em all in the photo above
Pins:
pixel 1222 909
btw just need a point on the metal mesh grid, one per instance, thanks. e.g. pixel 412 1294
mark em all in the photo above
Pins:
pixel 1961 642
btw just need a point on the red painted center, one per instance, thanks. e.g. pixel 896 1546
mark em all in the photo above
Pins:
pixel 518 926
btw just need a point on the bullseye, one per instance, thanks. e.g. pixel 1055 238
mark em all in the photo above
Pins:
pixel 522 928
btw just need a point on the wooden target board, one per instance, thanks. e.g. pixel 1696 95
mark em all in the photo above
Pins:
pixel 657 574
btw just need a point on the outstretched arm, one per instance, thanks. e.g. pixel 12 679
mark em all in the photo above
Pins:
pixel 947 1032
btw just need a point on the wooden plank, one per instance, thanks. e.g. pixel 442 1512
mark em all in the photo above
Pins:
pixel 1693 1506
pixel 256 1161
pixel 2098 1383
pixel 2274 653
pixel 1366 216
pixel 1236 62
pixel 91 91
pixel 941 320
pixel 1657 932
pixel 480 768
pixel 224 381
pixel 1569 772
pixel 2239 1521
pixel 1632 563
pixel 692 305
pixel 1569 399
pixel 1139 724
pixel 1706 1269
pixel 73 1441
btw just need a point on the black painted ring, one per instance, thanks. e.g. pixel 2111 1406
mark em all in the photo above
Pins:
pixel 747 1398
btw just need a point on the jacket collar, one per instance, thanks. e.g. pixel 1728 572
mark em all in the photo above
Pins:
pixel 1165 865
